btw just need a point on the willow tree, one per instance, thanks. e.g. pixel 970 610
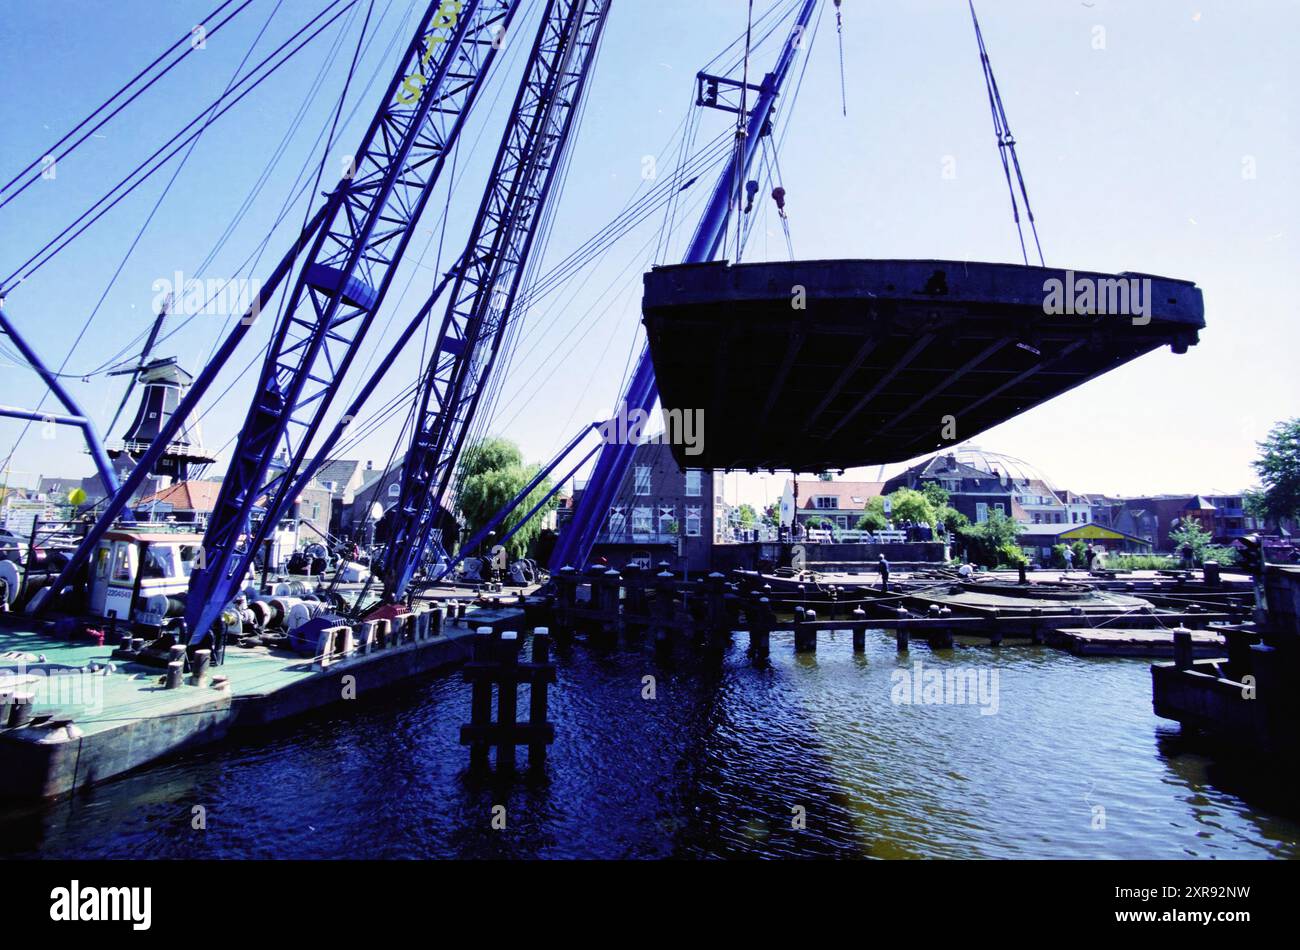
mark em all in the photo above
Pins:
pixel 1278 467
pixel 490 474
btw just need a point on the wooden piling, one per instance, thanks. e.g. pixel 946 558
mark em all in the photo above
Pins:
pixel 537 699
pixel 805 633
pixel 1182 648
pixel 507 696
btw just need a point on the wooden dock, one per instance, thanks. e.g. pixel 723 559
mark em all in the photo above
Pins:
pixel 1105 641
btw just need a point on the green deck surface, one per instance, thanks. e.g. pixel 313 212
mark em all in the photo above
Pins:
pixel 133 691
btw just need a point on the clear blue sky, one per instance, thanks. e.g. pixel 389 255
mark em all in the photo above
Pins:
pixel 1134 156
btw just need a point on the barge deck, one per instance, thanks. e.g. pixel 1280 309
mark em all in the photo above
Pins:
pixel 89 712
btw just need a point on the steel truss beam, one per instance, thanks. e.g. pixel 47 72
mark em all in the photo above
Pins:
pixel 342 283
pixel 489 275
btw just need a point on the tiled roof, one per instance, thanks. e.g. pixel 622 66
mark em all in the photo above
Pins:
pixel 186 496
pixel 848 494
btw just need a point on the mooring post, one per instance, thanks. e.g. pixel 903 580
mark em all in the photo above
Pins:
pixel 175 674
pixel 1182 648
pixel 901 637
pixel 611 606
pixel 480 700
pixel 537 698
pixel 663 609
pixel 21 708
pixel 1210 573
pixel 507 697
pixel 805 633
pixel 202 661
pixel 859 630
pixel 760 627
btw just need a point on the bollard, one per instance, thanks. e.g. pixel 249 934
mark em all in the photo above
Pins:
pixel 805 634
pixel 202 662
pixel 437 625
pixel 901 637
pixel 1182 648
pixel 175 674
pixel 178 651
pixel 383 633
pixel 859 630
pixel 20 712
pixel 346 645
pixel 460 614
pixel 1210 572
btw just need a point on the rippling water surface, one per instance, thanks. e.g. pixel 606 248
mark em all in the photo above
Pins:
pixel 721 762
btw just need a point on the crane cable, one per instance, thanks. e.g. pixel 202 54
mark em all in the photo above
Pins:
pixel 839 29
pixel 53 149
pixel 742 133
pixel 1006 146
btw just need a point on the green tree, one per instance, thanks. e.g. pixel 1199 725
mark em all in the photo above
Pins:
pixel 952 519
pixel 1189 531
pixel 873 519
pixel 1279 470
pixel 490 474
pixel 990 544
pixel 908 504
pixel 747 516
pixel 938 495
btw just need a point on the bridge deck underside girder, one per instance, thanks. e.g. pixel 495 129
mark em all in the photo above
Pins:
pixel 885 360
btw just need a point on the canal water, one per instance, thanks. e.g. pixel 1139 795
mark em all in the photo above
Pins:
pixel 1028 753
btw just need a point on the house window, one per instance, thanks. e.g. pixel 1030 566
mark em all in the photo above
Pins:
pixel 394 489
pixel 641 520
pixel 642 485
pixel 825 501
pixel 617 520
pixel 981 512
pixel 667 515
pixel 1001 509
pixel 693 522
pixel 694 483
pixel 315 512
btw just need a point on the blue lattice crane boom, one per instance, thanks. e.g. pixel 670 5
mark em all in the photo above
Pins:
pixel 349 251
pixel 488 277
pixel 342 284
pixel 642 391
